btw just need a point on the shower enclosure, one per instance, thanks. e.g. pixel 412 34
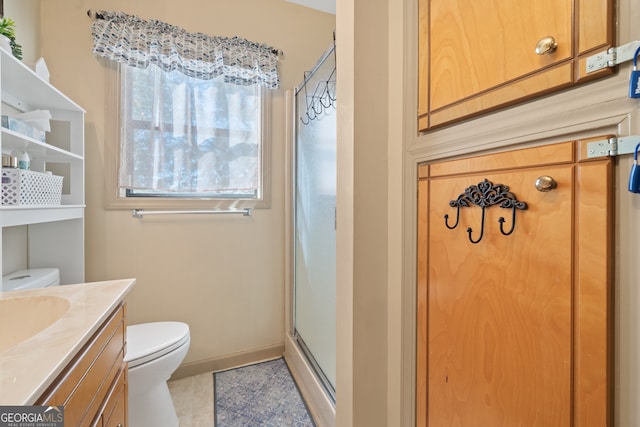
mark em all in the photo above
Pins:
pixel 314 245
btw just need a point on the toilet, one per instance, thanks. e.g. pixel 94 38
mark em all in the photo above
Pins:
pixel 154 351
pixel 31 279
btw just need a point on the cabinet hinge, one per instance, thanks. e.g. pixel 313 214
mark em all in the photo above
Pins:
pixel 611 57
pixel 612 146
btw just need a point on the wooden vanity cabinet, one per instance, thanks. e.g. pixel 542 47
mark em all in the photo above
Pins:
pixel 93 387
pixel 115 411
pixel 479 55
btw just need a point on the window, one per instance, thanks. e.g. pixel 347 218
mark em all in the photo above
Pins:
pixel 188 115
pixel 184 137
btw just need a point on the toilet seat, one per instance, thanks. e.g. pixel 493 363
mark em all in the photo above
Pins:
pixel 149 341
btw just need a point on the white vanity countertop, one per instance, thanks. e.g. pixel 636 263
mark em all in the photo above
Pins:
pixel 28 368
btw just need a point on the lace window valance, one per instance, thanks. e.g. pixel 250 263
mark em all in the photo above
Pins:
pixel 137 42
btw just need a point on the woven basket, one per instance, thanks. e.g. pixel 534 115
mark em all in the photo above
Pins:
pixel 25 187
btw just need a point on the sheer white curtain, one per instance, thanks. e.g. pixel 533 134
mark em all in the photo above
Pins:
pixel 184 135
pixel 190 105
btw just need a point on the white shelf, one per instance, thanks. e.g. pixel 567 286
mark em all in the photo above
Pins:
pixel 52 234
pixel 12 140
pixel 22 85
pixel 11 216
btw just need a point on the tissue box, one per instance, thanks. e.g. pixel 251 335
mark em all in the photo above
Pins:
pixel 22 128
pixel 25 187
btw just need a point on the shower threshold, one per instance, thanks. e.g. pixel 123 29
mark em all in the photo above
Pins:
pixel 320 375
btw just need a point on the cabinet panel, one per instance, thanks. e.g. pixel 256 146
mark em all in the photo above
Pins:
pixel 547 154
pixel 86 384
pixel 477 56
pixel 593 324
pixel 115 412
pixel 595 34
pixel 516 329
pixel 423 63
pixel 477 45
pixel 537 84
pixel 593 31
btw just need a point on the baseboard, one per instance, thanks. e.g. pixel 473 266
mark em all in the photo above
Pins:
pixel 320 406
pixel 229 361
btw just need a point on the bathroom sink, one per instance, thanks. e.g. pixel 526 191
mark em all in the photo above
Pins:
pixel 23 317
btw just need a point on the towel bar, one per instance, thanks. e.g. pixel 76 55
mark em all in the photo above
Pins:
pixel 139 213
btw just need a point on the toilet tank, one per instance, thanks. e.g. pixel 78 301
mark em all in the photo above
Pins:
pixel 31 279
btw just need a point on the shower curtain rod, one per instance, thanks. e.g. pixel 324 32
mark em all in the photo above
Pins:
pixel 139 213
pixel 95 15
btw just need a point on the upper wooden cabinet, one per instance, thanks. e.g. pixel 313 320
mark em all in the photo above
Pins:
pixel 479 55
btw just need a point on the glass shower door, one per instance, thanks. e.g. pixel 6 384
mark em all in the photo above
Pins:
pixel 315 216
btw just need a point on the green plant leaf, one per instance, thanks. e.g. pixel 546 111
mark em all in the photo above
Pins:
pixel 8 29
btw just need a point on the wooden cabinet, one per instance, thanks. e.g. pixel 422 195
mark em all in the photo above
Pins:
pixel 479 55
pixel 514 316
pixel 115 411
pixel 52 234
pixel 93 387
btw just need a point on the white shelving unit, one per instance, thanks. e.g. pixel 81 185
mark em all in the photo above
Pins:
pixel 37 236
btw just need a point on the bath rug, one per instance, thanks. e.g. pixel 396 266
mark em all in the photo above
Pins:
pixel 263 394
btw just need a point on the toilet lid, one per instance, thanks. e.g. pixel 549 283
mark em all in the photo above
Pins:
pixel 148 341
pixel 31 279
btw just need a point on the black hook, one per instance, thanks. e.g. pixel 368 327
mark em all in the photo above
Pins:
pixel 470 230
pixel 333 97
pixel 501 220
pixel 325 99
pixel 446 219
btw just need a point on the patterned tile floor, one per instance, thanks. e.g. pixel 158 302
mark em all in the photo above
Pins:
pixel 263 394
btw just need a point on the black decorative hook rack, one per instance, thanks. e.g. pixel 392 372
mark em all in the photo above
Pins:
pixel 485 195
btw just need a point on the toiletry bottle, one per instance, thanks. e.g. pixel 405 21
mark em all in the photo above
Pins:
pixel 9 162
pixel 24 160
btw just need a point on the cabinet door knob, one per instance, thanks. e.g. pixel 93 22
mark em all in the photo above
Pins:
pixel 546 45
pixel 546 183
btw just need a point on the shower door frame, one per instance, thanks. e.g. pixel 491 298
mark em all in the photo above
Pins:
pixel 328 388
